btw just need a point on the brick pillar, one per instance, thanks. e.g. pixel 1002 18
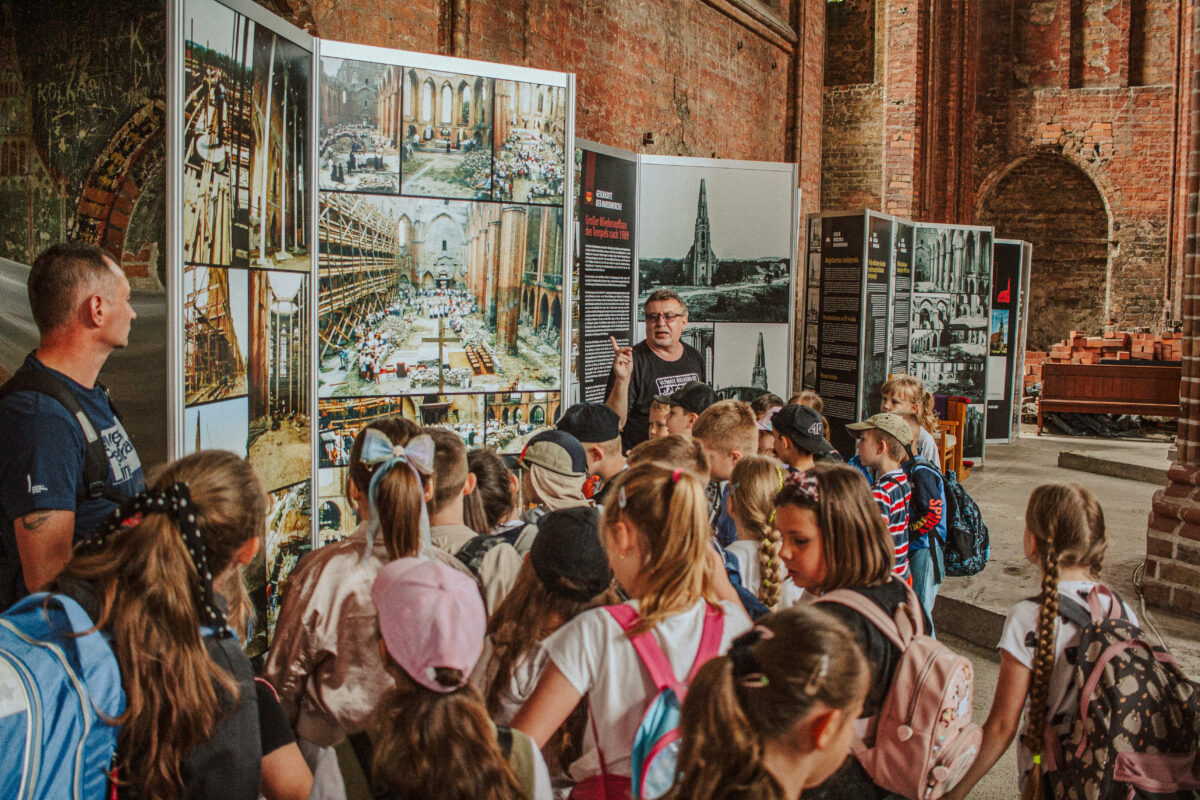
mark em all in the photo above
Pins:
pixel 1173 540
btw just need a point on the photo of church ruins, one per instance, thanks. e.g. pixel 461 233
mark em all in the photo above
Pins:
pixel 736 276
pixel 216 131
pixel 215 334
pixel 278 212
pixel 438 296
pixel 359 145
pixel 948 342
pixel 445 132
pixel 278 439
pixel 530 143
pixel 289 537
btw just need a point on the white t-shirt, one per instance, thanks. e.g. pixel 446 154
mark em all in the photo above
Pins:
pixel 595 655
pixel 927 447
pixel 1019 640
pixel 747 553
pixel 527 671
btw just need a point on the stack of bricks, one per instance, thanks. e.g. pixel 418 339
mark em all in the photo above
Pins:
pixel 1079 348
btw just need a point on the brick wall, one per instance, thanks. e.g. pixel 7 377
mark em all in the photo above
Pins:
pixel 852 148
pixel 704 78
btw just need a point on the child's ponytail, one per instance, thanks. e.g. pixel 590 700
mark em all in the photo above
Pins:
pixel 755 482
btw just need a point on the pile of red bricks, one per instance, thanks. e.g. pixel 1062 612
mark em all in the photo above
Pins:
pixel 1080 348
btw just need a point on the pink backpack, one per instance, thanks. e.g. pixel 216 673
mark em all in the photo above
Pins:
pixel 924 740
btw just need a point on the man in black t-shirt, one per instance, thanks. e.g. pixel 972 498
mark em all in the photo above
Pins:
pixel 660 364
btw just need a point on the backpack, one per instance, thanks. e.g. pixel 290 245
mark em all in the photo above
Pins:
pixel 474 551
pixel 59 686
pixel 924 740
pixel 1138 720
pixel 656 743
pixel 95 459
pixel 967 548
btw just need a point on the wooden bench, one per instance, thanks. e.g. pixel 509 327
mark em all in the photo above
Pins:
pixel 1109 389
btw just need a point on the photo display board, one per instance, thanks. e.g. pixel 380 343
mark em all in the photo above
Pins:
pixel 605 243
pixel 723 235
pixel 951 318
pixel 245 296
pixel 441 233
pixel 1004 334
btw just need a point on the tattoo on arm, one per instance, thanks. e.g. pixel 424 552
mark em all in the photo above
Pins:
pixel 35 519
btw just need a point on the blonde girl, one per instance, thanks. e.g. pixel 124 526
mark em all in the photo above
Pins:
pixel 906 394
pixel 1065 537
pixel 657 538
pixel 833 537
pixel 190 726
pixel 755 482
pixel 776 714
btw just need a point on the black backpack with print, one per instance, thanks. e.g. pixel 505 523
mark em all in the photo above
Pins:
pixel 1134 733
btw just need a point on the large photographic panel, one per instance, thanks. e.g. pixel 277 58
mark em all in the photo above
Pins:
pixel 359 126
pixel 530 136
pixel 446 138
pixel 421 295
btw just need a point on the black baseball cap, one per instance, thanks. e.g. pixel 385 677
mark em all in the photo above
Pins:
pixel 804 426
pixel 591 422
pixel 557 451
pixel 693 397
pixel 567 554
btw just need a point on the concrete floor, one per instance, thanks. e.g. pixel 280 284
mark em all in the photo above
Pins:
pixel 1001 782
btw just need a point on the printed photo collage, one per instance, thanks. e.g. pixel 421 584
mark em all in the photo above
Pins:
pixel 247 288
pixel 440 240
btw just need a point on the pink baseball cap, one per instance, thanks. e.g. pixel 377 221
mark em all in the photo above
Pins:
pixel 430 616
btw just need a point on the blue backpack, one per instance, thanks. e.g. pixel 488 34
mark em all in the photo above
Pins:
pixel 967 545
pixel 656 743
pixel 57 689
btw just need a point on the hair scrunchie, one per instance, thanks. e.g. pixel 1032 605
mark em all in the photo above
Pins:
pixel 176 502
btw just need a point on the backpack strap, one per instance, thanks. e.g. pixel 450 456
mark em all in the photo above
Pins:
pixel 95 459
pixel 504 736
pixel 652 655
pixel 887 625
pixel 710 639
pixel 475 551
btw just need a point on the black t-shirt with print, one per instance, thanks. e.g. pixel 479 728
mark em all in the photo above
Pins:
pixel 653 375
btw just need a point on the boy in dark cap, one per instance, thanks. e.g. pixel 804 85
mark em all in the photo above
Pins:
pixel 800 436
pixel 596 426
pixel 687 404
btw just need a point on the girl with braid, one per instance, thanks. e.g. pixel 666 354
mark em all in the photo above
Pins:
pixel 755 483
pixel 1064 536
pixel 775 715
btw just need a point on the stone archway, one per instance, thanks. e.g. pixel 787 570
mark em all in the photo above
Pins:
pixel 1050 202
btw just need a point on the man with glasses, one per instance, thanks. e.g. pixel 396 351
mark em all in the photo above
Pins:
pixel 658 365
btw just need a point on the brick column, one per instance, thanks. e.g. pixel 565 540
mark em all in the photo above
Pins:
pixel 1173 540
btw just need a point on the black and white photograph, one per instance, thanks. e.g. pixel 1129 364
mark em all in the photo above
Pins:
pixel 359 126
pixel 217 426
pixel 289 537
pixel 279 377
pixel 277 217
pixel 443 296
pixel 216 131
pixel 750 360
pixel 514 417
pixel 530 135
pixel 720 237
pixel 215 333
pixel 446 135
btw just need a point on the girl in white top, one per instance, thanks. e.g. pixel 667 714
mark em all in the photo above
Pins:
pixel 753 485
pixel 906 394
pixel 657 537
pixel 1064 535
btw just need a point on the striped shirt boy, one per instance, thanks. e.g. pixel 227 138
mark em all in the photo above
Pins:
pixel 892 493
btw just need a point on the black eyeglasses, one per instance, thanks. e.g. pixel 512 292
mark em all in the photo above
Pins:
pixel 668 318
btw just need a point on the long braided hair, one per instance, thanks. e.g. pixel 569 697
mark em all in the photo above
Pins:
pixel 755 482
pixel 1068 526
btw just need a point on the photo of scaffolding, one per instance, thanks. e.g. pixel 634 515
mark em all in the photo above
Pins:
pixel 438 296
pixel 530 137
pixel 446 133
pixel 359 144
pixel 514 417
pixel 216 134
pixel 277 216
pixel 279 377
pixel 214 359
pixel 289 537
